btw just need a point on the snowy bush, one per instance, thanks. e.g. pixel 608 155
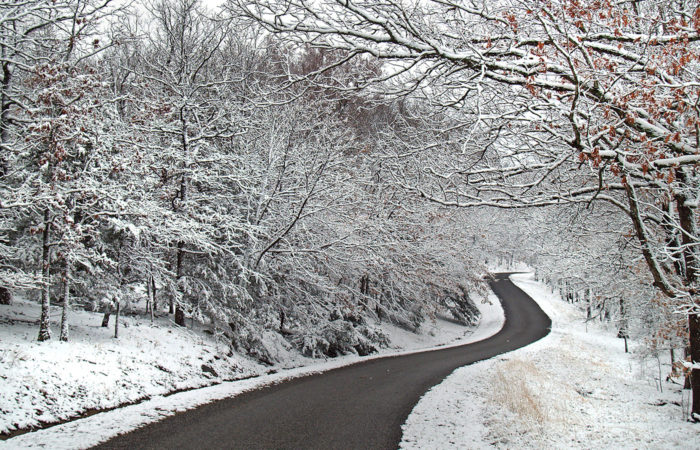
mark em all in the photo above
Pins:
pixel 341 337
pixel 462 308
pixel 254 345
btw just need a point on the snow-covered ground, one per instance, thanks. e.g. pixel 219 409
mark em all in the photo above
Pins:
pixel 576 388
pixel 52 381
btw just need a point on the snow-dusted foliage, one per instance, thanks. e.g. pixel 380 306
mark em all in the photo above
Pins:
pixel 168 153
pixel 540 103
pixel 595 268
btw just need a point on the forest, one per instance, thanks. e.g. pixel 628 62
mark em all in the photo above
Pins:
pixel 305 167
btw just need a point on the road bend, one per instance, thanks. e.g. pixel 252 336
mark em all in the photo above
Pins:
pixel 361 406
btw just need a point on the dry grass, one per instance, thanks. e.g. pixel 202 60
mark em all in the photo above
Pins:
pixel 533 401
pixel 513 391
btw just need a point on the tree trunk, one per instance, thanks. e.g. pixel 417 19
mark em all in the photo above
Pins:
pixel 672 240
pixel 364 285
pixel 66 304
pixel 116 321
pixel 5 296
pixel 686 383
pixel 622 332
pixel 152 296
pixel 149 307
pixel 694 331
pixel 687 219
pixel 44 321
pixel 179 316
pixel 179 312
pixel 105 319
pixel 155 301
pixel 5 104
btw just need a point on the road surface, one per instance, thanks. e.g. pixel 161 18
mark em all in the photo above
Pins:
pixel 361 406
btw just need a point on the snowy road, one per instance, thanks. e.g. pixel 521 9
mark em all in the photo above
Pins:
pixel 358 406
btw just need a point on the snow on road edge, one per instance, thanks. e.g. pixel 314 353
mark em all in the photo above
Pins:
pixel 575 388
pixel 90 431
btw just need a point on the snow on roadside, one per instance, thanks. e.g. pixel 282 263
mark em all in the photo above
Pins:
pixel 445 332
pixel 53 381
pixel 33 367
pixel 576 388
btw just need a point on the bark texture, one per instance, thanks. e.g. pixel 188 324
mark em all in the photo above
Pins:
pixel 44 321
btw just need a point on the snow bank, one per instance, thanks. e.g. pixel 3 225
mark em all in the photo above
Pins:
pixel 572 389
pixel 53 381
pixel 147 361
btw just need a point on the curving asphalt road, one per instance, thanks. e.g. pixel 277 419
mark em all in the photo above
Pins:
pixel 360 406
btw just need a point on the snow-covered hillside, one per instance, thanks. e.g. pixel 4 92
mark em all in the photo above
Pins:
pixel 44 383
pixel 52 381
pixel 576 388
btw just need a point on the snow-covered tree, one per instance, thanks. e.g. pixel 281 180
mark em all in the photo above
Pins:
pixel 590 100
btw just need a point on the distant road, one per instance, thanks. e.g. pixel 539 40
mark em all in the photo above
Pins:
pixel 361 406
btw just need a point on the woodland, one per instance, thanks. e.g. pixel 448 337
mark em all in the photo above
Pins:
pixel 307 166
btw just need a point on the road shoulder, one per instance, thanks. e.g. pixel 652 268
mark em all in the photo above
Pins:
pixel 100 427
pixel 575 388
